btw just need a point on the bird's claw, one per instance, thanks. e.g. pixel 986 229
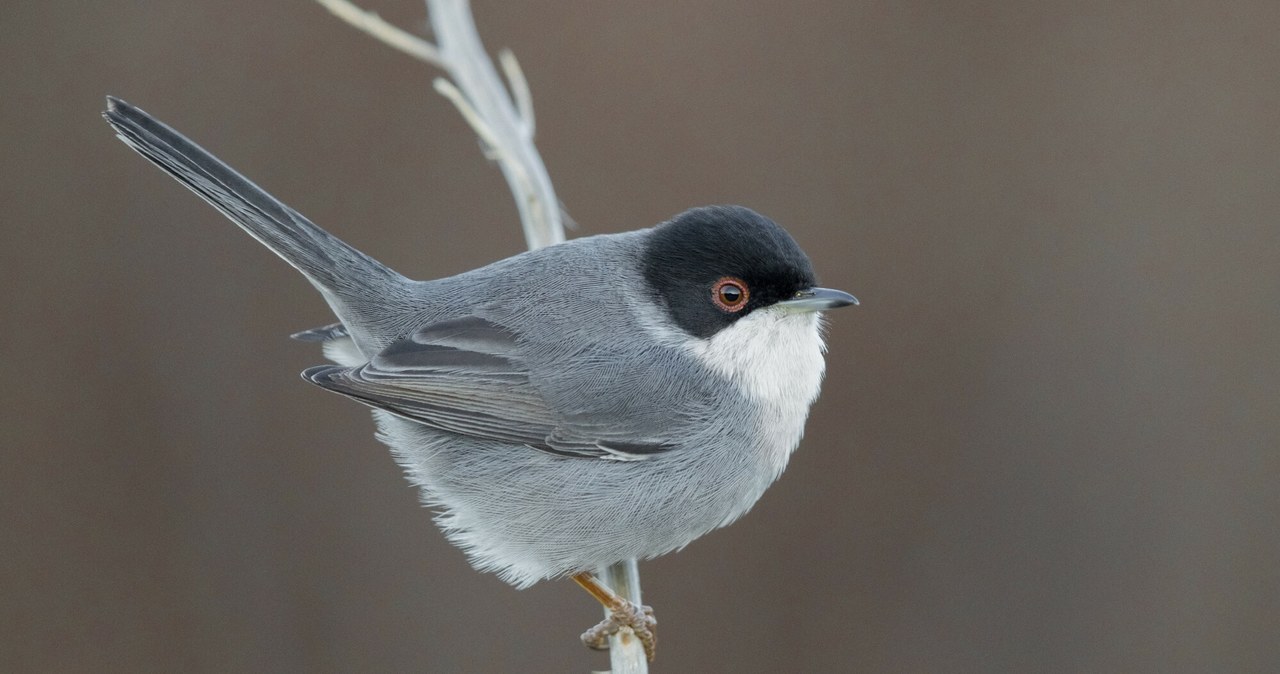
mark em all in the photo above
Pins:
pixel 638 619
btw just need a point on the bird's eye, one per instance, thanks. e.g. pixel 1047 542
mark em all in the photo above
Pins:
pixel 730 294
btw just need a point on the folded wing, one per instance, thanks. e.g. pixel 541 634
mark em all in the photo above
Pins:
pixel 468 376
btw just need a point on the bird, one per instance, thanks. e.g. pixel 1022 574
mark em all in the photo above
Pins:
pixel 613 397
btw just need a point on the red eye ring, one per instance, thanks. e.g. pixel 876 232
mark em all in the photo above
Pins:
pixel 730 294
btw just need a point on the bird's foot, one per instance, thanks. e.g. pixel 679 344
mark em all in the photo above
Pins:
pixel 623 615
pixel 638 619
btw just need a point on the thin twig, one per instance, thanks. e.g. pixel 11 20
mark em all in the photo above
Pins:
pixel 504 120
pixel 472 71
pixel 384 32
pixel 519 87
pixel 626 653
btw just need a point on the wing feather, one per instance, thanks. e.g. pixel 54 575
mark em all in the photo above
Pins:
pixel 468 376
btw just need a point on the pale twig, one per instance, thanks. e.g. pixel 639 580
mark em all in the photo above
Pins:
pixel 384 32
pixel 472 71
pixel 519 88
pixel 626 653
pixel 494 149
pixel 502 119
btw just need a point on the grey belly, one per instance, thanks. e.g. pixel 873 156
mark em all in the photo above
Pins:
pixel 528 515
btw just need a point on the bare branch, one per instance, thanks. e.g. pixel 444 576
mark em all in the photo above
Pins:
pixel 472 71
pixel 384 32
pixel 626 653
pixel 519 87
pixel 502 119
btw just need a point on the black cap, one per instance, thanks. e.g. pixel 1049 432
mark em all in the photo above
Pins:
pixel 688 257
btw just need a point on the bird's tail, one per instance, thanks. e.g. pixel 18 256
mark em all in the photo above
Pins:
pixel 347 277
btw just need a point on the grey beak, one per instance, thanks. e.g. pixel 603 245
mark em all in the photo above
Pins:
pixel 819 299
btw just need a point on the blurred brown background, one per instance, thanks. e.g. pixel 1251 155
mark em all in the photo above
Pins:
pixel 1048 439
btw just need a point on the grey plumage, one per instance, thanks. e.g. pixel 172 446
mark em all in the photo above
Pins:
pixel 564 408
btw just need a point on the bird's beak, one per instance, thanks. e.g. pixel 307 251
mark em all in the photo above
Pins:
pixel 818 299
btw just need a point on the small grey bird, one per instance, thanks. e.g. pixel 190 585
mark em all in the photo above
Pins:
pixel 608 398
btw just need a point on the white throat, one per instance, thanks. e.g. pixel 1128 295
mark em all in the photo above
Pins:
pixel 775 355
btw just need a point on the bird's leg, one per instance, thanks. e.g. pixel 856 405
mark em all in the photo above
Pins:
pixel 622 613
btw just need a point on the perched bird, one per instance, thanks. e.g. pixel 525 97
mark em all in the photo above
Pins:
pixel 612 397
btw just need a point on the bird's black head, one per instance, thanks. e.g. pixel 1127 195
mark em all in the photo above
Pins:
pixel 711 266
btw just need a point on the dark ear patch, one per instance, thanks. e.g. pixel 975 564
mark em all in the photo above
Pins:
pixel 686 256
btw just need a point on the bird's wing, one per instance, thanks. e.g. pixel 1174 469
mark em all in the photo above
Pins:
pixel 326 333
pixel 469 376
